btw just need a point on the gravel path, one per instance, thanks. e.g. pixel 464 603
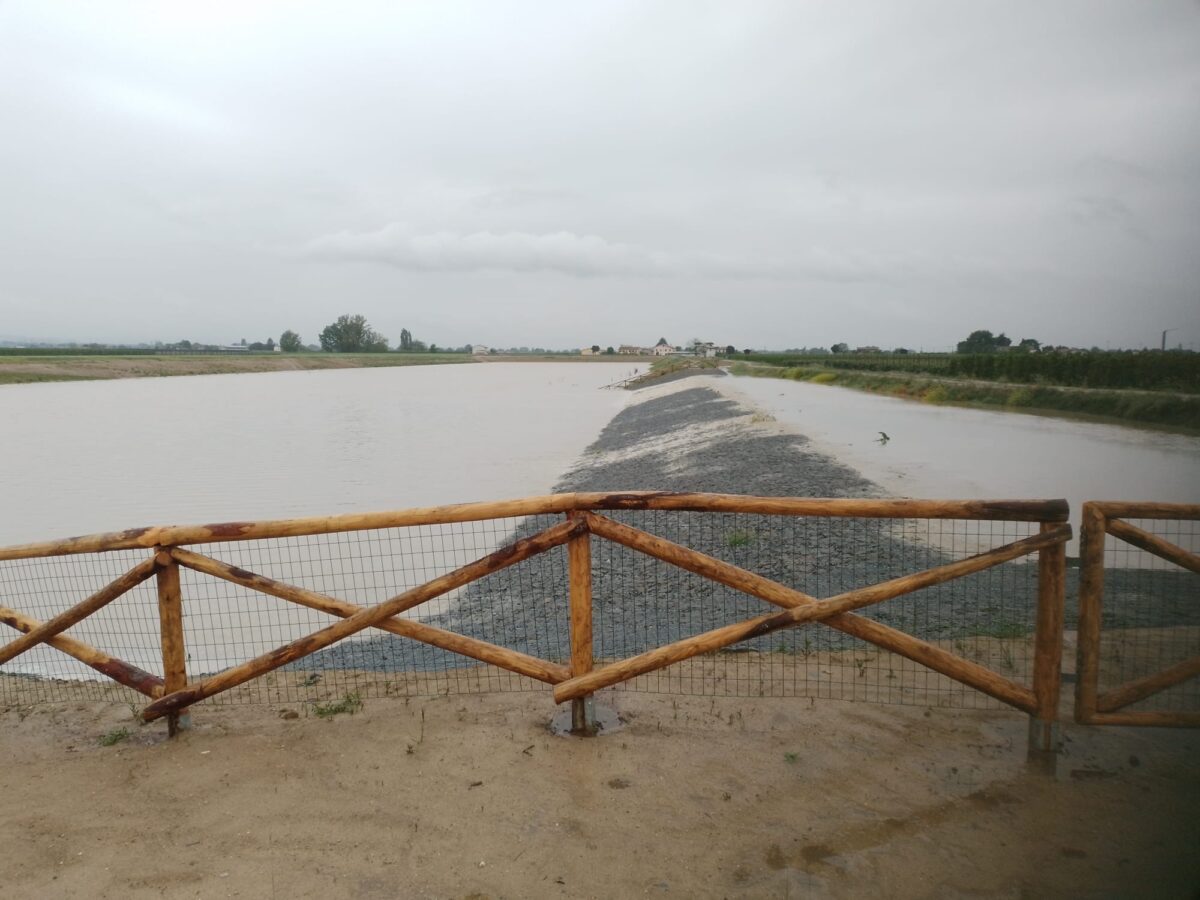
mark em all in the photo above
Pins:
pixel 691 438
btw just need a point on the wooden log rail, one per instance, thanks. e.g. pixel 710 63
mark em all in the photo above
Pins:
pixel 1102 520
pixel 174 694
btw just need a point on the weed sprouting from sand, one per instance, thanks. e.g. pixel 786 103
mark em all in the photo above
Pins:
pixel 739 538
pixel 791 758
pixel 351 703
pixel 1006 657
pixel 1004 630
pixel 114 737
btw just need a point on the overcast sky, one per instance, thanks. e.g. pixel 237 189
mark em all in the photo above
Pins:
pixel 545 174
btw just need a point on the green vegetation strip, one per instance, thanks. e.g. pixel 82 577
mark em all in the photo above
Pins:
pixel 1176 412
pixel 1143 370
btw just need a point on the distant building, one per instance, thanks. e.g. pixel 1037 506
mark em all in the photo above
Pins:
pixel 479 350
pixel 587 351
pixel 663 350
pixel 630 350
pixel 867 350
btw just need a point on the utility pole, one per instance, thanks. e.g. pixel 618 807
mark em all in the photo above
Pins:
pixel 1164 338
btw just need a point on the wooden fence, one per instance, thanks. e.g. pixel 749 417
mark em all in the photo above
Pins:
pixel 583 520
pixel 1101 520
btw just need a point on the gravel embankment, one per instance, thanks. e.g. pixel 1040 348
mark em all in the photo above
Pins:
pixel 694 439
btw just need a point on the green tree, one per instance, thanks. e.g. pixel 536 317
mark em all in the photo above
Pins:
pixel 406 340
pixel 352 334
pixel 983 342
pixel 1029 345
pixel 840 348
pixel 595 348
pixel 289 342
pixel 730 350
pixel 610 351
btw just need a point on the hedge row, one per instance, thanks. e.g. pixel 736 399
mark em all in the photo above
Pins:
pixel 1146 370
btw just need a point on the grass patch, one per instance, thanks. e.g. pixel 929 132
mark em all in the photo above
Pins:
pixel 11 377
pixel 739 538
pixel 1171 412
pixel 351 704
pixel 1004 630
pixel 114 737
pixel 669 365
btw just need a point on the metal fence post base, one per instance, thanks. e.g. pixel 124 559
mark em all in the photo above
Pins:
pixel 1043 742
pixel 583 716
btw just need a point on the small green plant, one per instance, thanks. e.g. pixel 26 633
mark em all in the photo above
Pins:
pixel 114 737
pixel 1006 657
pixel 1004 630
pixel 739 538
pixel 791 758
pixel 351 703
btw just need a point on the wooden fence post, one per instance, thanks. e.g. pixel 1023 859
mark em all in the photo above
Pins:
pixel 579 560
pixel 1048 642
pixel 1091 596
pixel 174 655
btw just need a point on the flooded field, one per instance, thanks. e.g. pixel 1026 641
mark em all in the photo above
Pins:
pixel 946 451
pixel 99 456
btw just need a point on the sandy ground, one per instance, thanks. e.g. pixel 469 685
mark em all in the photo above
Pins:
pixel 472 796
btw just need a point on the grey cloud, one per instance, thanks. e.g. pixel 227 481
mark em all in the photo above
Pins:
pixel 1107 210
pixel 568 253
pixel 513 251
pixel 508 198
pixel 778 172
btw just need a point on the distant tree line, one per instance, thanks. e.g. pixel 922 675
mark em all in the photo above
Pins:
pixel 353 334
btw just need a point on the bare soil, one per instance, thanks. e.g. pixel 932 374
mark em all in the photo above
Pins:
pixel 473 796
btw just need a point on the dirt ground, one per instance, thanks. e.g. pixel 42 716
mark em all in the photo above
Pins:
pixel 473 796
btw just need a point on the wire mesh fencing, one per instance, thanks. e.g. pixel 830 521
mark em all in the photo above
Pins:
pixel 987 617
pixel 1150 616
pixel 639 603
